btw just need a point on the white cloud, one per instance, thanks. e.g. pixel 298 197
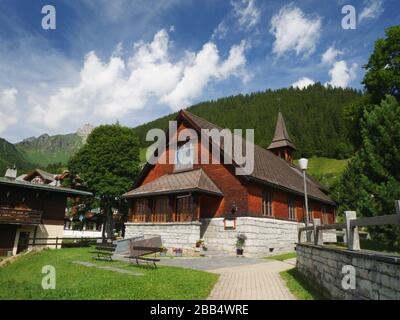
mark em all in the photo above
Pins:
pixel 341 74
pixel 204 67
pixel 293 31
pixel 247 12
pixel 372 10
pixel 330 55
pixel 8 108
pixel 302 83
pixel 114 88
pixel 220 31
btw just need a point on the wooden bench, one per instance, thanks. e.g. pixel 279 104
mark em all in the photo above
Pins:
pixel 105 251
pixel 138 253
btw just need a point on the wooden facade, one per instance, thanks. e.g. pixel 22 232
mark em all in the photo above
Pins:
pixel 26 206
pixel 240 196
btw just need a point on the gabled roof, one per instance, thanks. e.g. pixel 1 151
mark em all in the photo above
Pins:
pixel 269 169
pixel 44 174
pixel 44 187
pixel 186 181
pixel 281 137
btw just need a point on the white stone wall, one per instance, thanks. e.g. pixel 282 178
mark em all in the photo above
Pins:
pixel 264 236
pixel 329 236
pixel 377 275
pixel 43 231
pixel 173 235
pixel 81 233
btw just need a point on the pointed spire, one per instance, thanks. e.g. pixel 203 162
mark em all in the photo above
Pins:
pixel 281 138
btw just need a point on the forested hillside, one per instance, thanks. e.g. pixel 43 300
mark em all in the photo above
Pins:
pixel 46 149
pixel 313 117
pixel 10 155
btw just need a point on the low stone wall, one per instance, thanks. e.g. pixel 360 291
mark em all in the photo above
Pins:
pixel 264 236
pixel 173 235
pixel 377 275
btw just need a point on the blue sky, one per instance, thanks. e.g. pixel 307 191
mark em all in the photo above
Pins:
pixel 134 61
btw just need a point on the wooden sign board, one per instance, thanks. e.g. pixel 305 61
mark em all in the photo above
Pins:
pixel 230 223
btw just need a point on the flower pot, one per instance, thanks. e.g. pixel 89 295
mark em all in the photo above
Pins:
pixel 239 252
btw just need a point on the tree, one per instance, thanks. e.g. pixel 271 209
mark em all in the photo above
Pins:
pixel 108 164
pixel 313 117
pixel 382 77
pixel 383 68
pixel 371 182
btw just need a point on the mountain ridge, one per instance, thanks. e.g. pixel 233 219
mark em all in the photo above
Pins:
pixel 43 150
pixel 313 118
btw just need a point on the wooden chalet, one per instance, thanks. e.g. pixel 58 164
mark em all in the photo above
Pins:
pixel 210 202
pixel 31 209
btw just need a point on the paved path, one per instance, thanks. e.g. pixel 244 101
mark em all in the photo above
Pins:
pixel 252 282
pixel 210 263
pixel 115 268
pixel 242 278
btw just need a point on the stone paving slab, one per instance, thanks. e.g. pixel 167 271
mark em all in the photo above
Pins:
pixel 210 263
pixel 115 268
pixel 252 282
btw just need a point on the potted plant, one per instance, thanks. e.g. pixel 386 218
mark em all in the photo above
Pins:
pixel 241 239
pixel 163 253
pixel 199 243
pixel 178 252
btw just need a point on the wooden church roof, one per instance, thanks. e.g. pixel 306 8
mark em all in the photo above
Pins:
pixel 281 137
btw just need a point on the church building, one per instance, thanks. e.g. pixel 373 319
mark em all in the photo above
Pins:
pixel 209 202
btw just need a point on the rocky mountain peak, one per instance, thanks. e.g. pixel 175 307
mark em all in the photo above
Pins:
pixel 84 131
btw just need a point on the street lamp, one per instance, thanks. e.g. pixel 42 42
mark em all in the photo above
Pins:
pixel 303 163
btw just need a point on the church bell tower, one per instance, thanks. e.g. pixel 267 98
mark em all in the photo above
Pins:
pixel 281 144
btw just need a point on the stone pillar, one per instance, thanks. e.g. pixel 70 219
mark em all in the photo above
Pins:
pixel 353 239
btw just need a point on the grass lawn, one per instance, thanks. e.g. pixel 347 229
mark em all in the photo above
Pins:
pixel 22 279
pixel 372 245
pixel 376 246
pixel 299 286
pixel 325 170
pixel 282 257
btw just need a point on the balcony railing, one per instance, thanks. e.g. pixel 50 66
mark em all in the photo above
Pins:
pixel 163 217
pixel 20 216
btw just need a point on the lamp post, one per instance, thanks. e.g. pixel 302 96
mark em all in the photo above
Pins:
pixel 303 163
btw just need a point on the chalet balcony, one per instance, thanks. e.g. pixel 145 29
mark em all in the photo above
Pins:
pixel 20 216
pixel 163 217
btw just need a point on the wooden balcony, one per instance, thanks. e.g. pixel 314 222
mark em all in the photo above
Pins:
pixel 160 218
pixel 20 216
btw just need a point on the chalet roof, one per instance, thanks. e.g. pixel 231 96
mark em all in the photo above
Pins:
pixel 269 168
pixel 186 181
pixel 45 187
pixel 44 174
pixel 281 137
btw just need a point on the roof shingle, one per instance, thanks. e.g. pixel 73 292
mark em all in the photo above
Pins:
pixel 186 181
pixel 272 169
pixel 281 137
